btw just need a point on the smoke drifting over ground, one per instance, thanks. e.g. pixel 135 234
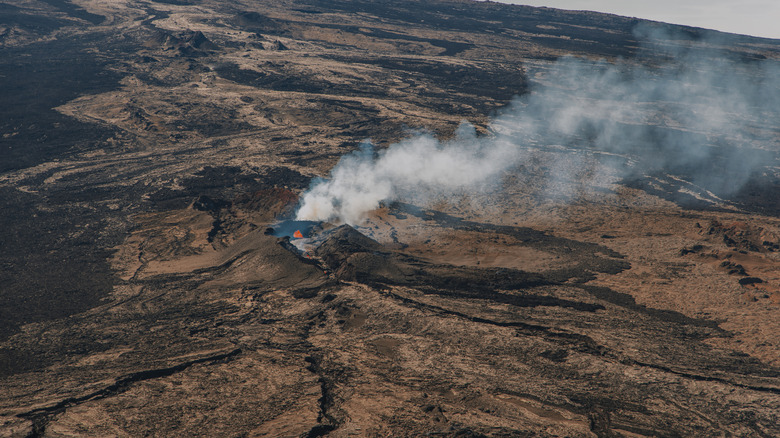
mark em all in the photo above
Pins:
pixel 699 115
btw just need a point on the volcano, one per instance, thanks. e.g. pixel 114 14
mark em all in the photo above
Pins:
pixel 533 222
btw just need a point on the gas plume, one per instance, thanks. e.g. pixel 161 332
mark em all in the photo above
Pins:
pixel 699 114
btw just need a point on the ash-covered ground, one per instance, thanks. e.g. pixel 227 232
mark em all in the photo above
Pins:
pixel 596 254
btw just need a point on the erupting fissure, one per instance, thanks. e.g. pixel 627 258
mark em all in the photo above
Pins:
pixel 295 229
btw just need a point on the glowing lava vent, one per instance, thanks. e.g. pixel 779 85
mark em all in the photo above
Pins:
pixel 295 229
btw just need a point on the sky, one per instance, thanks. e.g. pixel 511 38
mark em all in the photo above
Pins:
pixel 748 17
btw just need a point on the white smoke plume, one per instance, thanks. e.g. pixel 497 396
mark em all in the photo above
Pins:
pixel 418 165
pixel 712 118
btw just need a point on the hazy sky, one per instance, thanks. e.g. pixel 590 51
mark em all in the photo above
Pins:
pixel 749 17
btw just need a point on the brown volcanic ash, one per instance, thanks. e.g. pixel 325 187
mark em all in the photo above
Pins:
pixel 143 293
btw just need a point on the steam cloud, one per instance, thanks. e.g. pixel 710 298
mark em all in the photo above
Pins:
pixel 701 114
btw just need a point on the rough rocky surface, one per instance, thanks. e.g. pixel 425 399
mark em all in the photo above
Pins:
pixel 147 146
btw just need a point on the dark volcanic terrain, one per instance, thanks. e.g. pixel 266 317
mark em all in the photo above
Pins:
pixel 148 148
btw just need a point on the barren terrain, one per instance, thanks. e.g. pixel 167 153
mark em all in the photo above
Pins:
pixel 151 150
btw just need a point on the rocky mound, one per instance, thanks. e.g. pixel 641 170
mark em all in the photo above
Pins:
pixel 188 42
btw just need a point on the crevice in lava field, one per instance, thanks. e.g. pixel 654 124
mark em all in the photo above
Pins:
pixel 40 417
pixel 327 423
